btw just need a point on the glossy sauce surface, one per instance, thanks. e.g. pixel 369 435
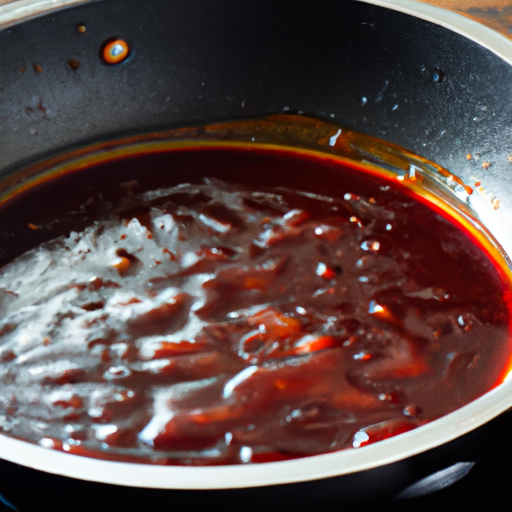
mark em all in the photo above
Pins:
pixel 232 305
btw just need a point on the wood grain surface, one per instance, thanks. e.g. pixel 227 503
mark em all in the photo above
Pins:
pixel 496 14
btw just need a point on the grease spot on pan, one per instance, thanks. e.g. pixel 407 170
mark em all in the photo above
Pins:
pixel 74 64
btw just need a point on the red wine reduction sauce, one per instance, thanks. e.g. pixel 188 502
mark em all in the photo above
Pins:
pixel 231 305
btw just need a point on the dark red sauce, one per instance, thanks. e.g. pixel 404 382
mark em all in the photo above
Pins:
pixel 221 305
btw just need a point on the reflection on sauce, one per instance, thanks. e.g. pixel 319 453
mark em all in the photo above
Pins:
pixel 223 304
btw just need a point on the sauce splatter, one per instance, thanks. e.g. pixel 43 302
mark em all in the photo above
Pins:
pixel 115 51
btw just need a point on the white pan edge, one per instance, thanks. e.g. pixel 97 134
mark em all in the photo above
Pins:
pixel 339 463
pixel 490 39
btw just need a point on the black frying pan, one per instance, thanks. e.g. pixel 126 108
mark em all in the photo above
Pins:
pixel 377 71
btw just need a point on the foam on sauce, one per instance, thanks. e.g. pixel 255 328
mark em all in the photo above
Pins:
pixel 231 305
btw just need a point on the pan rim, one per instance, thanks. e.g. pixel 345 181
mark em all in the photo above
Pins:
pixel 317 467
pixel 18 11
pixel 490 39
